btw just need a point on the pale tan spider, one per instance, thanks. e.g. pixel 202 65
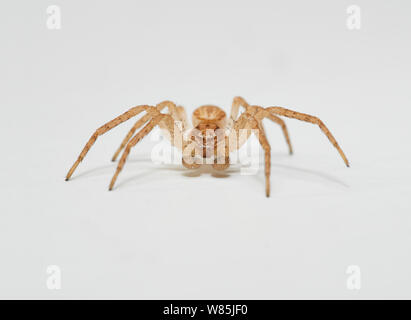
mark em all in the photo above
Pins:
pixel 205 119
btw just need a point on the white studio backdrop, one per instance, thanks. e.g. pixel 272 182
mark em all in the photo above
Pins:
pixel 165 232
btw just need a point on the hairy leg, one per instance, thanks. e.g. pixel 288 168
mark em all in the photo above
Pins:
pixel 249 122
pixel 174 133
pixel 129 135
pixel 137 138
pixel 171 106
pixel 173 110
pixel 281 122
pixel 182 117
pixel 235 107
pixel 308 118
pixel 103 129
pixel 259 113
pixel 262 138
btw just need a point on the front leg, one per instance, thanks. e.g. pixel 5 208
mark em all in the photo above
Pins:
pixel 235 108
pixel 308 118
pixel 137 138
pixel 177 112
pixel 259 114
pixel 164 121
pixel 103 129
pixel 248 122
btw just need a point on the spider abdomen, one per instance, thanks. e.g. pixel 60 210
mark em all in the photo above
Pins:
pixel 209 116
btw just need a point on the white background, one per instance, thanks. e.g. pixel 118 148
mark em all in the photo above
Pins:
pixel 166 232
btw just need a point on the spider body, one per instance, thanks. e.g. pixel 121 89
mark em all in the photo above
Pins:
pixel 208 121
pixel 212 136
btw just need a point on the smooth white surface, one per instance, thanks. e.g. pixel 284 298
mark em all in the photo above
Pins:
pixel 166 233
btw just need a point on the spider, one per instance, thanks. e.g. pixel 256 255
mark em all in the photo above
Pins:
pixel 205 119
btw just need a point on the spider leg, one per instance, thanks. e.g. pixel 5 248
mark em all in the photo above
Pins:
pixel 140 135
pixel 248 121
pixel 235 108
pixel 176 112
pixel 172 109
pixel 176 115
pixel 281 122
pixel 130 134
pixel 174 133
pixel 308 118
pixel 259 113
pixel 165 121
pixel 182 116
pixel 182 141
pixel 103 129
pixel 262 138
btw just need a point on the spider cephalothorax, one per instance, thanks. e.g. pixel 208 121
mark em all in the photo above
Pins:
pixel 203 140
pixel 212 136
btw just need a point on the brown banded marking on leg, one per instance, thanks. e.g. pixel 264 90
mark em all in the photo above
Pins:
pixel 240 132
pixel 235 107
pixel 263 113
pixel 103 129
pixel 182 114
pixel 281 122
pixel 262 138
pixel 173 132
pixel 130 134
pixel 312 119
pixel 137 138
pixel 173 110
pixel 247 121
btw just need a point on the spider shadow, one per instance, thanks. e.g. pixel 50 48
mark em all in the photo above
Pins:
pixel 208 169
pixel 301 173
pixel 318 174
pixel 191 173
pixel 110 168
pixel 296 171
pixel 102 170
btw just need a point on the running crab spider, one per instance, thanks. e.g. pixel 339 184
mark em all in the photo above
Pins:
pixel 205 119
